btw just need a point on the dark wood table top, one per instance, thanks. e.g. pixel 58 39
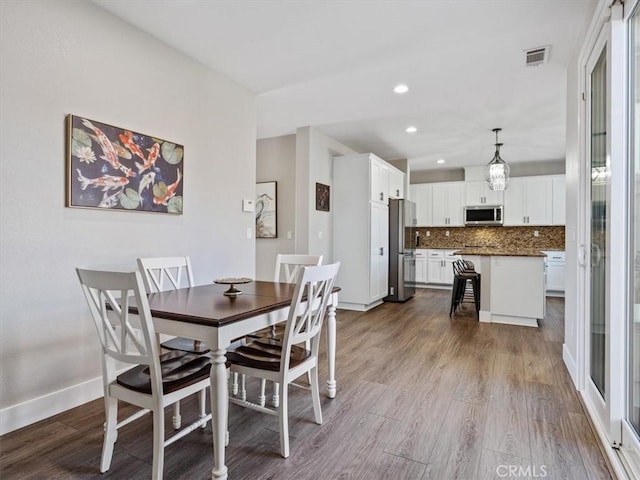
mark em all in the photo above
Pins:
pixel 206 304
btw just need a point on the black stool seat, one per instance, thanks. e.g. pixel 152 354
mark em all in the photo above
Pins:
pixel 465 277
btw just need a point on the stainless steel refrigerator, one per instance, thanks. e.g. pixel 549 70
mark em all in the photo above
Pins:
pixel 402 259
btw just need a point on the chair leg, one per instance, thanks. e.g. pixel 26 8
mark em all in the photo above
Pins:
pixel 110 432
pixel 243 387
pixel 158 444
pixel 202 400
pixel 315 395
pixel 283 414
pixel 262 399
pixel 177 417
pixel 234 384
pixel 275 400
pixel 454 295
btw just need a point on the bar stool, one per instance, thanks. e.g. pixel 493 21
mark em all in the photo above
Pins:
pixel 466 286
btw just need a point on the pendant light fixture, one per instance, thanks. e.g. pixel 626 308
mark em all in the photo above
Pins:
pixel 497 171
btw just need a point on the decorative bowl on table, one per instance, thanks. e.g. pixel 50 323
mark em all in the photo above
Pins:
pixel 232 291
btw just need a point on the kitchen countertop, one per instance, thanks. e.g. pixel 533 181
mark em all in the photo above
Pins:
pixel 500 251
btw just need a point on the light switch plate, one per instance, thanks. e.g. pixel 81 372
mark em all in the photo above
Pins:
pixel 247 205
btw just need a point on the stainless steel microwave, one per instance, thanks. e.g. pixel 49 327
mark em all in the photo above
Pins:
pixel 483 215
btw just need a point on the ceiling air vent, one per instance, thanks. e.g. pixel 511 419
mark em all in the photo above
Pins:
pixel 537 56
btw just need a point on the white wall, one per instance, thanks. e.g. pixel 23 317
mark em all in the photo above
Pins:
pixel 314 164
pixel 573 202
pixel 60 57
pixel 276 161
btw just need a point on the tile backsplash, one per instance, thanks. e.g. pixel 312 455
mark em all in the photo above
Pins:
pixel 548 238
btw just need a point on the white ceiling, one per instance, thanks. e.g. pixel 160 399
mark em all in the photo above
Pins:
pixel 333 64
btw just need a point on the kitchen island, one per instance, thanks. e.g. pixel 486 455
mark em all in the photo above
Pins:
pixel 512 285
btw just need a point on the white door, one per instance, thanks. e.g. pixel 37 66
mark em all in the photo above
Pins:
pixel 421 266
pixel 558 216
pixel 396 183
pixel 421 195
pixel 435 270
pixel 598 192
pixel 455 204
pixel 538 198
pixel 514 203
pixel 605 223
pixel 379 276
pixel 493 197
pixel 379 181
pixel 439 202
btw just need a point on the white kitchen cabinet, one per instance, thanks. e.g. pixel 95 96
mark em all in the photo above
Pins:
pixel 559 200
pixel 440 266
pixel 479 193
pixel 448 204
pixel 554 270
pixel 396 183
pixel 421 196
pixel 528 201
pixel 379 175
pixel 386 181
pixel 360 231
pixel 379 260
pixel 435 260
pixel 421 266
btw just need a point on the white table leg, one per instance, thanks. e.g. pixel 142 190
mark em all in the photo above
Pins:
pixel 219 406
pixel 331 349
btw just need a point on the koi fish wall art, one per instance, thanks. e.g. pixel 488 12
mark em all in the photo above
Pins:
pixel 117 169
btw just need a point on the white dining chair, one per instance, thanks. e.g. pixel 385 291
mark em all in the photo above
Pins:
pixel 170 273
pixel 153 381
pixel 286 271
pixel 284 360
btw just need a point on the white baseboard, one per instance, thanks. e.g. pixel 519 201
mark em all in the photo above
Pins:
pixel 571 364
pixel 31 411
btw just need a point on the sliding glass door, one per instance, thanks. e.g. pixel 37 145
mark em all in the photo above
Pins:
pixel 600 200
pixel 631 424
pixel 598 223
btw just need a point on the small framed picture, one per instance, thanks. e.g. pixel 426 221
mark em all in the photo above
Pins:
pixel 266 210
pixel 323 201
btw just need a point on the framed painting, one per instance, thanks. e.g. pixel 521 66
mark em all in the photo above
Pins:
pixel 323 202
pixel 266 210
pixel 112 168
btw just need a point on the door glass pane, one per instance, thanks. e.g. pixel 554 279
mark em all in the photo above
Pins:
pixel 634 137
pixel 600 178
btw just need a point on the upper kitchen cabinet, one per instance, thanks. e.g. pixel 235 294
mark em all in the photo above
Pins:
pixel 421 196
pixel 379 179
pixel 528 201
pixel 448 204
pixel 386 180
pixel 396 183
pixel 479 193
pixel 559 200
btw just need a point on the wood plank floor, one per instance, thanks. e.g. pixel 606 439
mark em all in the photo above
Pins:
pixel 420 396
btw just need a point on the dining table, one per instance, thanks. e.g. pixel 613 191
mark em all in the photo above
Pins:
pixel 205 313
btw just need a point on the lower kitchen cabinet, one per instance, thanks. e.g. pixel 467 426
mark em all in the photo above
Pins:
pixel 440 266
pixel 421 266
pixel 554 271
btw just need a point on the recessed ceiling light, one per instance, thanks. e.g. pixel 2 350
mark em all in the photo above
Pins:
pixel 441 160
pixel 401 88
pixel 411 129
